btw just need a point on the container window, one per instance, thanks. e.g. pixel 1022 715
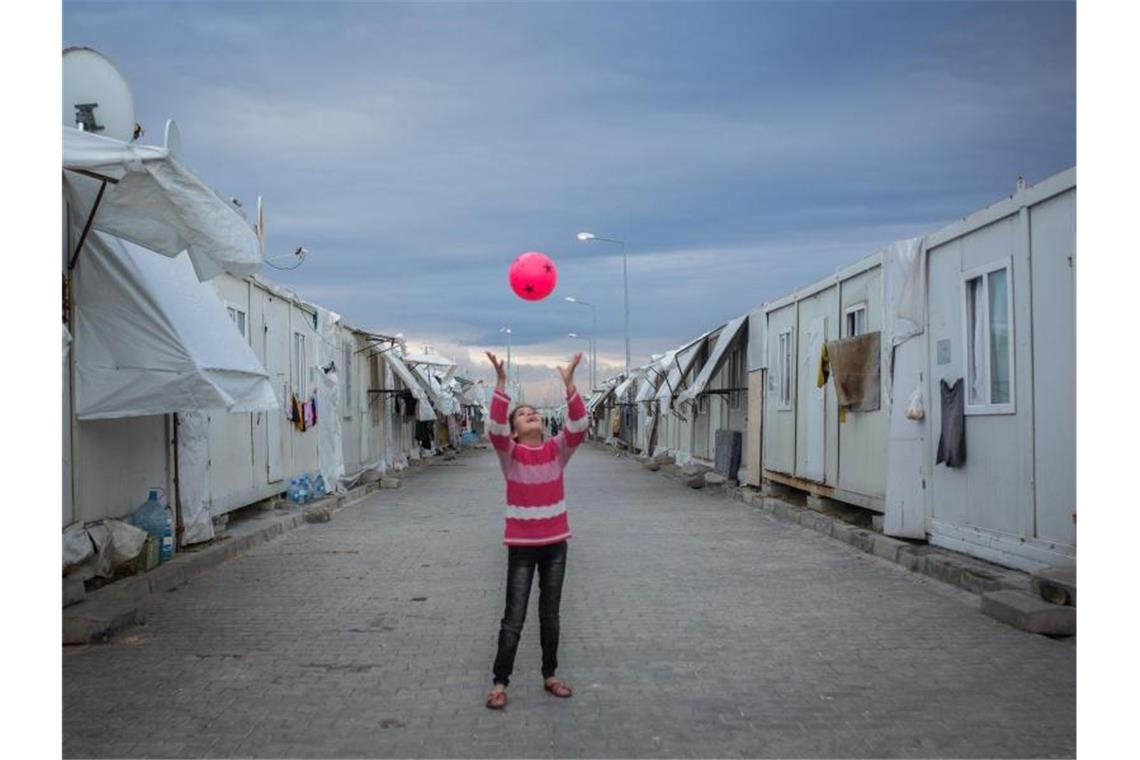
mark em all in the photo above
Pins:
pixel 989 345
pixel 784 371
pixel 346 369
pixel 237 316
pixel 300 364
pixel 856 320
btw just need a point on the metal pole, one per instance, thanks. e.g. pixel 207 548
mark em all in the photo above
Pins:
pixel 594 350
pixel 625 278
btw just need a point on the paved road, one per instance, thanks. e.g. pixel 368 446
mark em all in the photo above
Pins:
pixel 691 626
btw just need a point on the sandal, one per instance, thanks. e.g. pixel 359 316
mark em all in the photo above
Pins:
pixel 559 689
pixel 497 700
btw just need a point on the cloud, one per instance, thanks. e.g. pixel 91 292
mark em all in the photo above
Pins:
pixel 742 150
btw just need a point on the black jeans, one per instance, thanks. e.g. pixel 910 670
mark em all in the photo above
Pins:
pixel 521 562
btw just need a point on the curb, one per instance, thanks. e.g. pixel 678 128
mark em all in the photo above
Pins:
pixel 108 611
pixel 973 575
pixel 955 569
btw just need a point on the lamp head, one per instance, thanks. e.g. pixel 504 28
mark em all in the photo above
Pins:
pixel 586 236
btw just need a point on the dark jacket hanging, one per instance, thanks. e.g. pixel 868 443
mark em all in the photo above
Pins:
pixel 952 441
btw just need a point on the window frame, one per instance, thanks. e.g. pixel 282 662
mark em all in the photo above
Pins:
pixel 347 348
pixel 300 364
pixel 785 360
pixel 983 272
pixel 736 377
pixel 849 312
pixel 232 311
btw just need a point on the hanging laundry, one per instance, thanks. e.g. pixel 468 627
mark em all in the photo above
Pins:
pixel 297 412
pixel 314 409
pixel 308 412
pixel 952 440
pixel 854 365
pixel 824 367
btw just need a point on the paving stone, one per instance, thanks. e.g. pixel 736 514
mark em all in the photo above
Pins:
pixel 1057 583
pixel 715 479
pixel 317 515
pixel 690 628
pixel 1030 613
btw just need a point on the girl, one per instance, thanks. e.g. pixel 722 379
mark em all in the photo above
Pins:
pixel 536 524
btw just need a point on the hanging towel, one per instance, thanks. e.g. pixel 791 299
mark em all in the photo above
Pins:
pixel 952 441
pixel 824 367
pixel 308 411
pixel 854 364
pixel 298 414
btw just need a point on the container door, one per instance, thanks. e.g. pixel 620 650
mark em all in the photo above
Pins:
pixel 814 418
pixel 274 434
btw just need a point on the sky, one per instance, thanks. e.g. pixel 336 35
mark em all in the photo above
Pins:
pixel 741 150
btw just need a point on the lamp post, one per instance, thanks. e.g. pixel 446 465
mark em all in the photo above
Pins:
pixel 587 237
pixel 593 340
pixel 588 341
pixel 507 330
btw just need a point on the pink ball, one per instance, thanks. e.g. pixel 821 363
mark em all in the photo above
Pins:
pixel 533 276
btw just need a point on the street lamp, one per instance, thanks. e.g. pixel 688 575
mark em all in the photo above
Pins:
pixel 588 341
pixel 507 330
pixel 593 341
pixel 589 237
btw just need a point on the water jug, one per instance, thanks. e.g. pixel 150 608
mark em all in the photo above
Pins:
pixel 153 517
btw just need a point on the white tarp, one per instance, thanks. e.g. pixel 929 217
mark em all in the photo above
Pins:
pixel 653 375
pixel 423 403
pixel 623 387
pixel 151 339
pixel 726 338
pixel 330 453
pixel 757 340
pixel 683 359
pixel 904 304
pixel 602 393
pixel 442 399
pixel 432 360
pixel 194 477
pixel 157 204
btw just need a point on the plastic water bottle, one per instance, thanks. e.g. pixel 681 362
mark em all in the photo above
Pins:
pixel 153 517
pixel 166 550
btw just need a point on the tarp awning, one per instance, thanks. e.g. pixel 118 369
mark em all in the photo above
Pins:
pixel 441 396
pixel 683 359
pixel 653 375
pixel 602 393
pixel 726 338
pixel 423 406
pixel 151 339
pixel 623 386
pixel 157 203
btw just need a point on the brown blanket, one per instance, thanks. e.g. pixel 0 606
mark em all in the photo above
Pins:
pixel 854 366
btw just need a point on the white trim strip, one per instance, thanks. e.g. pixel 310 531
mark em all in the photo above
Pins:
pixel 498 428
pixel 550 540
pixel 579 425
pixel 536 513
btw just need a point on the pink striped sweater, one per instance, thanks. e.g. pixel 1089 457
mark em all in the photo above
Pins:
pixel 536 503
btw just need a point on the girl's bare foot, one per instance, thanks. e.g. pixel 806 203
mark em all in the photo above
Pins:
pixel 497 699
pixel 558 688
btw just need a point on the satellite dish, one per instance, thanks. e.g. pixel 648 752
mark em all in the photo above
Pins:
pixel 173 139
pixel 96 98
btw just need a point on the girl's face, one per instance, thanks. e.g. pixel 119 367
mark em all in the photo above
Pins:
pixel 526 421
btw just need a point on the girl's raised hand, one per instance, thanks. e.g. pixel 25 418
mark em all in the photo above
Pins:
pixel 567 372
pixel 497 363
